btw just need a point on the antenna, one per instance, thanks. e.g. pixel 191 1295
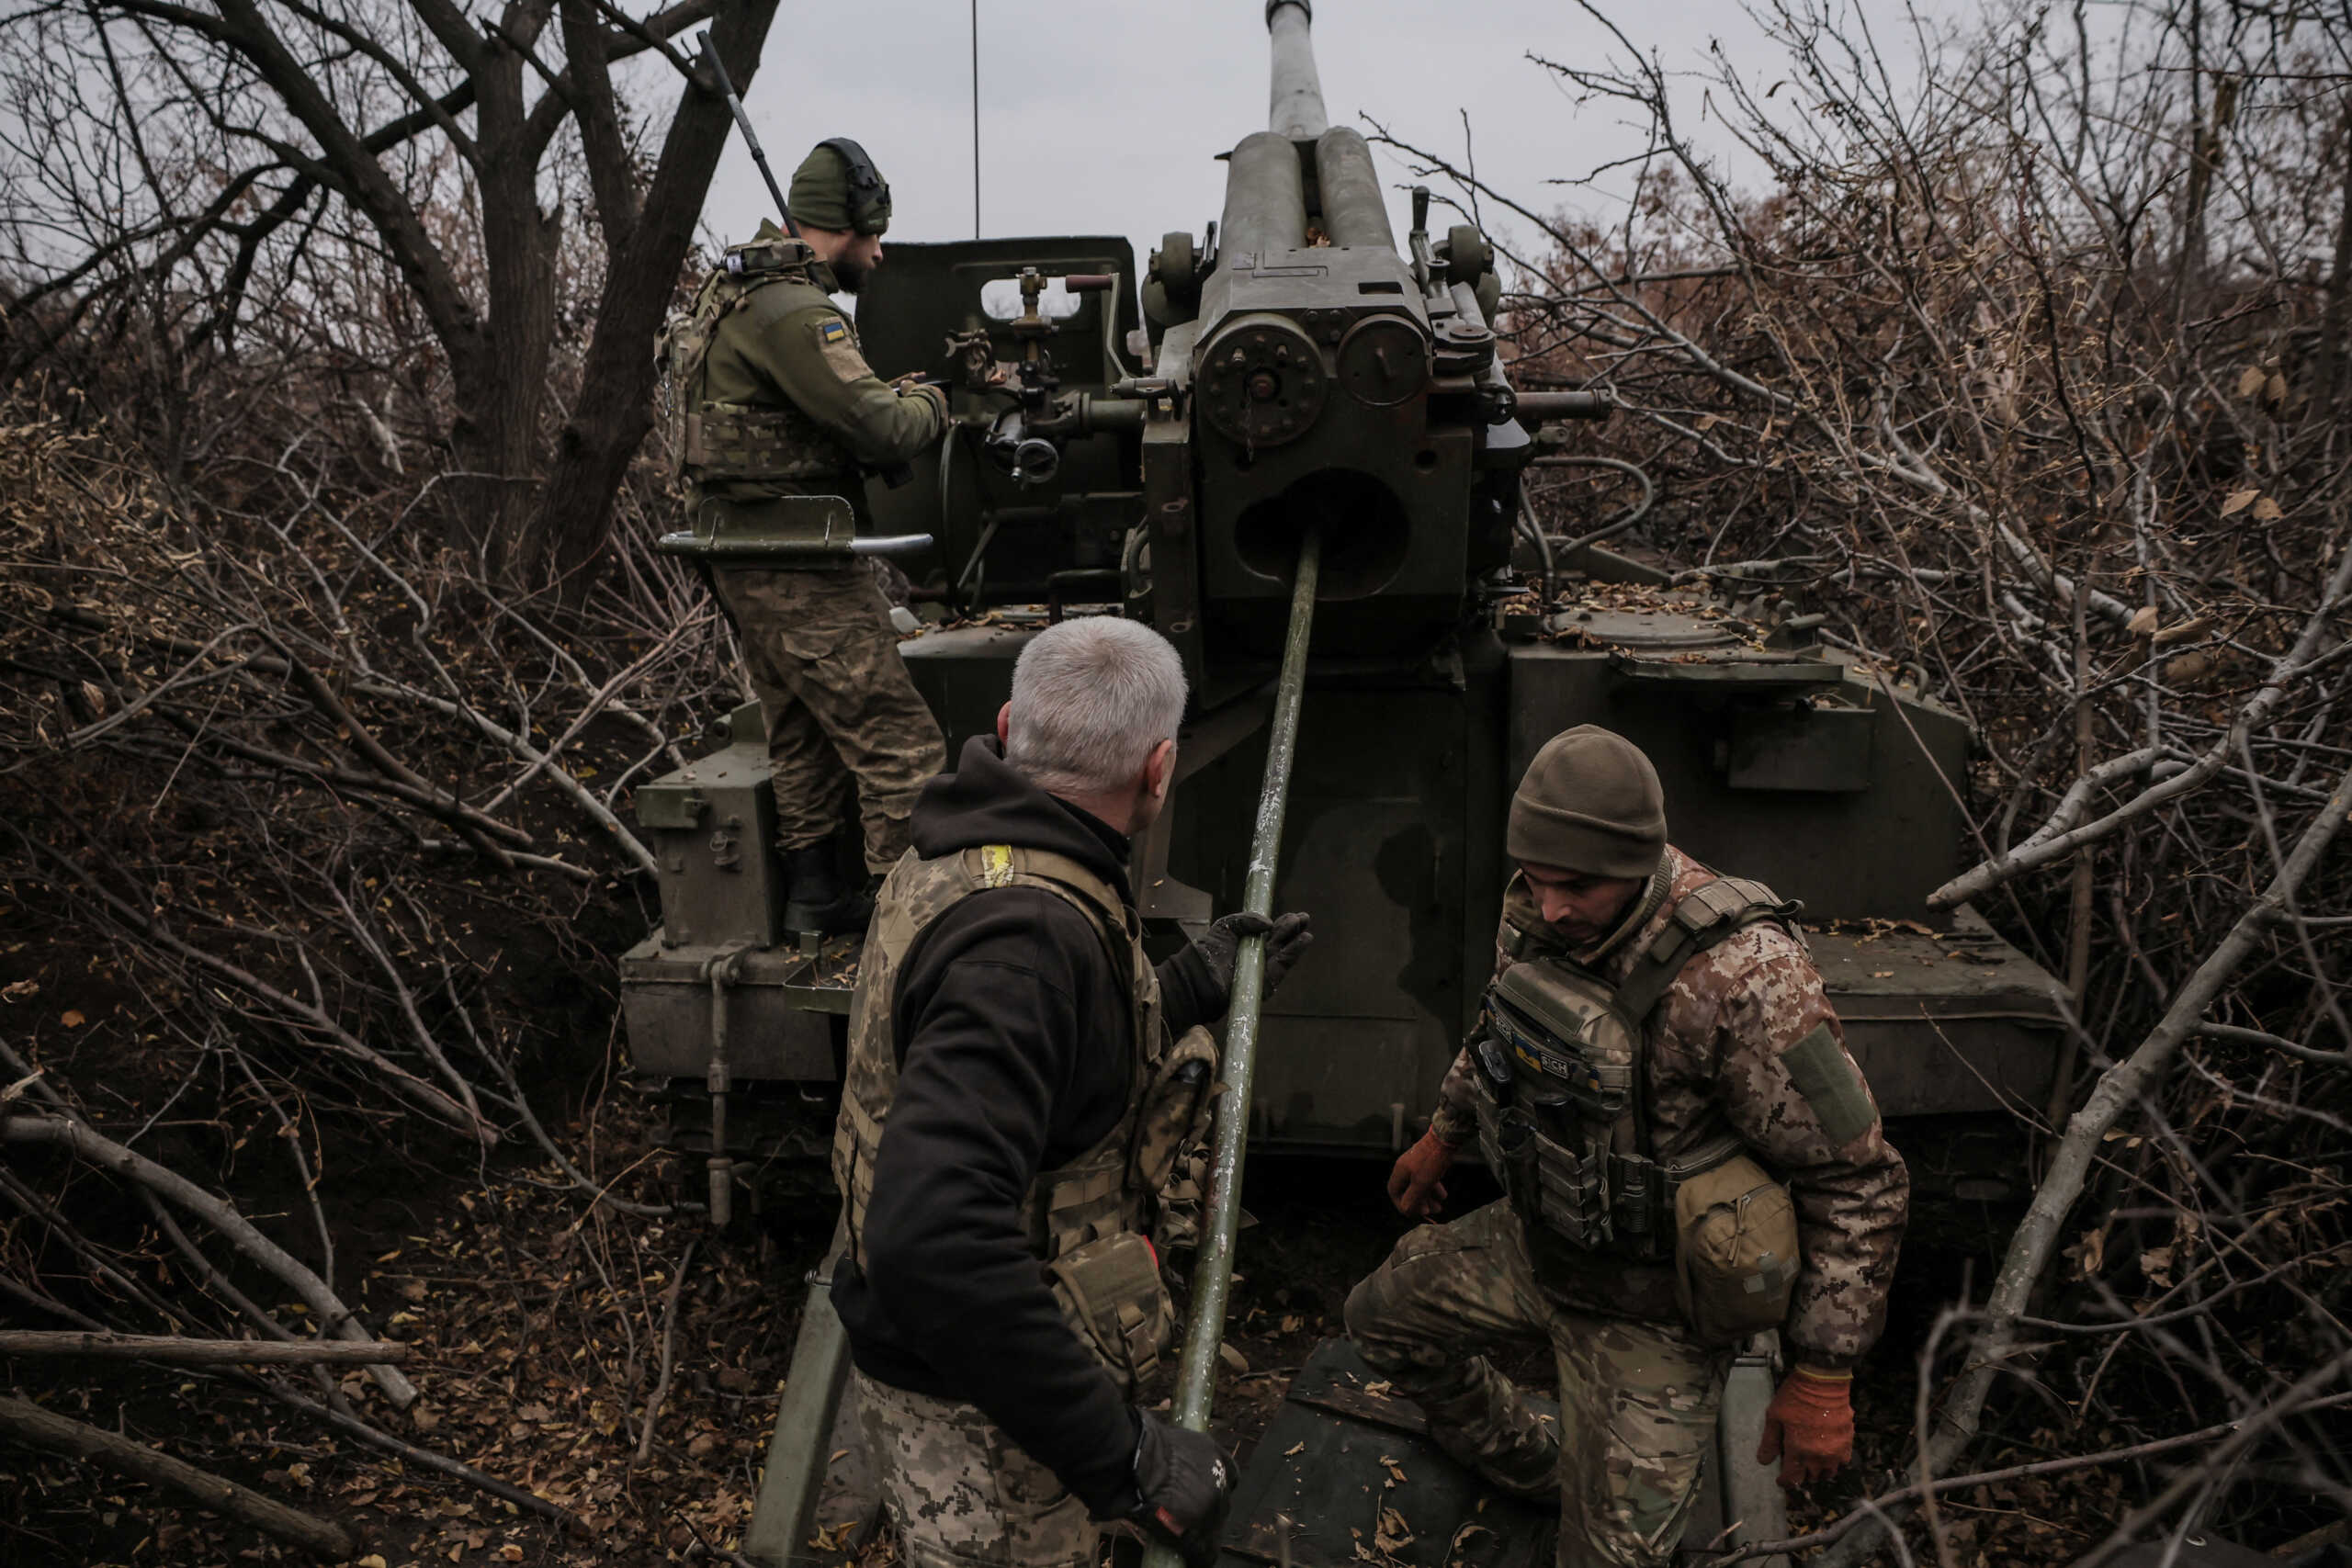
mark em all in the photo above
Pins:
pixel 976 118
pixel 750 138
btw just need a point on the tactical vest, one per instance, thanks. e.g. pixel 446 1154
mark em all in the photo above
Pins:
pixel 764 442
pixel 1087 1221
pixel 1561 1086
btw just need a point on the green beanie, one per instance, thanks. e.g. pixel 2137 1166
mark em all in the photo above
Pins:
pixel 827 194
pixel 1590 803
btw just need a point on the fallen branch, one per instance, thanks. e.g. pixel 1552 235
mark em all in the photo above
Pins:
pixel 201 1353
pixel 334 1318
pixel 27 1424
pixel 596 704
pixel 669 1358
pixel 334 776
pixel 2238 1036
pixel 2120 1088
pixel 339 1039
pixel 628 843
pixel 2044 847
pixel 479 828
pixel 456 1470
pixel 2251 1430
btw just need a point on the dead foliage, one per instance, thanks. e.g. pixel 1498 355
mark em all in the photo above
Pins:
pixel 317 860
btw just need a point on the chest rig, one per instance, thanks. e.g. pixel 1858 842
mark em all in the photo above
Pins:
pixel 1562 1082
pixel 1088 1220
pixel 766 441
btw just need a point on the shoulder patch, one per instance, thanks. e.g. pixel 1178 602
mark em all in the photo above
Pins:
pixel 1825 1075
pixel 837 346
pixel 996 864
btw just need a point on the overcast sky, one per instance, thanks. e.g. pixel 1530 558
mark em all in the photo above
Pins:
pixel 1106 115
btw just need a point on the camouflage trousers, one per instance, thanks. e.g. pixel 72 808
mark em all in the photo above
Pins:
pixel 1637 1400
pixel 961 1495
pixel 838 701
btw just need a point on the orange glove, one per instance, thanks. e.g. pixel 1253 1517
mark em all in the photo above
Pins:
pixel 1809 1426
pixel 1414 1184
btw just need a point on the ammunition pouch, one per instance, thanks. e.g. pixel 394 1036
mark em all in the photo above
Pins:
pixel 734 441
pixel 1562 1174
pixel 1736 1251
pixel 1111 1292
pixel 1562 1184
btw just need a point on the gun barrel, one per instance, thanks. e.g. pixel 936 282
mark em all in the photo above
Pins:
pixel 1295 104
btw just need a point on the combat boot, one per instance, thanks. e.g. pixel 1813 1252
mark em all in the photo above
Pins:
pixel 1530 1475
pixel 1523 1464
pixel 814 897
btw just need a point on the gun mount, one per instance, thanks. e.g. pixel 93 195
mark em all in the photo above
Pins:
pixel 1295 368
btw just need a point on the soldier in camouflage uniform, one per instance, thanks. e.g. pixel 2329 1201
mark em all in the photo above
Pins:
pixel 780 420
pixel 1741 1041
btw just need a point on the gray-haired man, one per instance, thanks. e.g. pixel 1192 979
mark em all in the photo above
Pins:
pixel 1020 1081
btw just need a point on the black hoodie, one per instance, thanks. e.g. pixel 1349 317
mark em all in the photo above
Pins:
pixel 1014 1039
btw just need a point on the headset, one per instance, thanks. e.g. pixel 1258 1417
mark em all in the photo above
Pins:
pixel 868 189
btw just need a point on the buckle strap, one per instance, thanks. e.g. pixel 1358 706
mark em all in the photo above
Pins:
pixel 1701 918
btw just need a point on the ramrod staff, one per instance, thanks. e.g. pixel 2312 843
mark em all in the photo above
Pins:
pixel 1213 1269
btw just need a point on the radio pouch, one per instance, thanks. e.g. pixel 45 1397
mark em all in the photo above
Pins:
pixel 1734 1251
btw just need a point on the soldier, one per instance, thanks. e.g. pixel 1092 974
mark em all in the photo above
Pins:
pixel 781 420
pixel 1691 1033
pixel 1022 1081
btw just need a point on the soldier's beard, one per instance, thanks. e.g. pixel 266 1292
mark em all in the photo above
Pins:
pixel 850 275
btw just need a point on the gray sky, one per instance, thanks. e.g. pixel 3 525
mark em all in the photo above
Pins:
pixel 1106 115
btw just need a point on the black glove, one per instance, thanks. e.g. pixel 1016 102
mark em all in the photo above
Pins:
pixel 1185 1481
pixel 1220 947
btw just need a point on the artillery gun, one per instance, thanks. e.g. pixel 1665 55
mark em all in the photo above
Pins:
pixel 1291 419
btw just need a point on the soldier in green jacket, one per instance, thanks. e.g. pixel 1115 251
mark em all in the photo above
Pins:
pixel 778 420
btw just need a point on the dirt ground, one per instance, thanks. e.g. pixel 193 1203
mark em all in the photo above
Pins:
pixel 538 1332
pixel 540 1329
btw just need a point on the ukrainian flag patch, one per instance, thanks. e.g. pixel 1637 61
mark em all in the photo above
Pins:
pixel 833 331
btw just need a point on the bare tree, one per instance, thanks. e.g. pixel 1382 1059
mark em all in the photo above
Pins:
pixel 177 173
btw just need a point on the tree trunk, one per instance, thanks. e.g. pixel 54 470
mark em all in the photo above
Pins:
pixel 496 437
pixel 566 537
